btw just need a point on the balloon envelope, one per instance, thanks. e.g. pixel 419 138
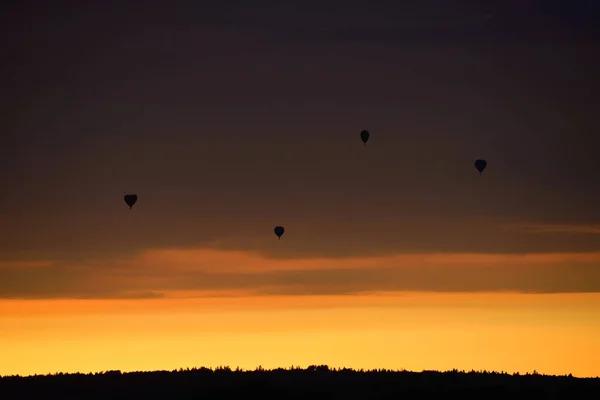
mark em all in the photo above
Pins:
pixel 279 231
pixel 130 199
pixel 364 136
pixel 480 165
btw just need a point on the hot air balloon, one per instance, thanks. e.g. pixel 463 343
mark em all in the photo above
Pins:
pixel 130 199
pixel 480 165
pixel 279 231
pixel 364 136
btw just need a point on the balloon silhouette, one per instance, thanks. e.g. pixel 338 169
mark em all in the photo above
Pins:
pixel 480 165
pixel 279 230
pixel 364 136
pixel 130 199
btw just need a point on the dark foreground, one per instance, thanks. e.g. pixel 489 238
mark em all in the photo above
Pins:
pixel 311 383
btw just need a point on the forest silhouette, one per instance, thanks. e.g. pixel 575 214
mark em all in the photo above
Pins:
pixel 314 382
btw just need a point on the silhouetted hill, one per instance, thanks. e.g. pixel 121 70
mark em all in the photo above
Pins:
pixel 315 382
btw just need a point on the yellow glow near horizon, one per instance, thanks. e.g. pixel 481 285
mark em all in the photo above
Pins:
pixel 554 334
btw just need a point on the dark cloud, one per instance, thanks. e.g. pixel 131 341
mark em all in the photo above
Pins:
pixel 355 236
pixel 522 279
pixel 560 229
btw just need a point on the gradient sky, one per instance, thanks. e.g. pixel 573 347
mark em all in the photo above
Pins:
pixel 228 118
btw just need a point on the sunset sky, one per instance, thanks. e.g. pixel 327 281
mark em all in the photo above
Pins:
pixel 228 118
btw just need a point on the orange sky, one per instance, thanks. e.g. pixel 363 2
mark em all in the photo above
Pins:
pixel 556 334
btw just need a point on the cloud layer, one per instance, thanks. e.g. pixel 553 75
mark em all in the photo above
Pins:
pixel 211 272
